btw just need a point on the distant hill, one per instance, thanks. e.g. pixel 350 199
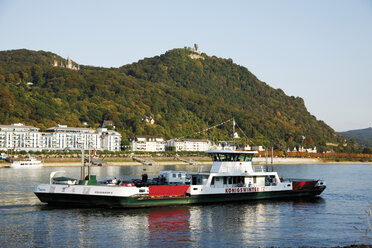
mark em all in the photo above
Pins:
pixel 362 136
pixel 182 91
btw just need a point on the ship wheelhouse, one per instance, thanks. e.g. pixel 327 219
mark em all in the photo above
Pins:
pixel 232 162
pixel 234 169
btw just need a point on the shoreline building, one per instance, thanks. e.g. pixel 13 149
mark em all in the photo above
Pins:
pixel 143 143
pixel 192 145
pixel 17 135
pixel 61 137
pixel 110 139
pixel 302 149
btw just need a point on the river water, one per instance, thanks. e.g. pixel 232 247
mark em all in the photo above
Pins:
pixel 327 221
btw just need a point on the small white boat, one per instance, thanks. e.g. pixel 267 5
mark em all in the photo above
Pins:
pixel 30 162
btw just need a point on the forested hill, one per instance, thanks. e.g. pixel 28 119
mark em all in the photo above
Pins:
pixel 362 136
pixel 184 95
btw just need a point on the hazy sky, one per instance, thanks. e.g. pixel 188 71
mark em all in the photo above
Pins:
pixel 318 50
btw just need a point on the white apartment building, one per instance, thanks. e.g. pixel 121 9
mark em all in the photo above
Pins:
pixel 147 144
pixel 110 140
pixel 192 145
pixel 17 136
pixel 61 137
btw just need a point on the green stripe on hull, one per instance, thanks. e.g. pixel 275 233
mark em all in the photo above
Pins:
pixel 133 202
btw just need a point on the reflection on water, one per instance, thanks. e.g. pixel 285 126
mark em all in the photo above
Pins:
pixel 242 224
pixel 251 223
pixel 324 221
pixel 169 226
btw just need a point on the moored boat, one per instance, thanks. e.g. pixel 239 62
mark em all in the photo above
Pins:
pixel 30 162
pixel 232 178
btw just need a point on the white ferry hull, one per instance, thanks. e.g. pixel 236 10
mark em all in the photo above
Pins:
pixel 116 196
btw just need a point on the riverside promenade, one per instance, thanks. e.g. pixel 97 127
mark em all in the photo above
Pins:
pixel 161 161
pixel 76 162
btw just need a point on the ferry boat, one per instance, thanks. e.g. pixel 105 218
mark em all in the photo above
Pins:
pixel 31 162
pixel 232 178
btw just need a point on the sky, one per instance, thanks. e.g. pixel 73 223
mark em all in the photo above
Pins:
pixel 318 50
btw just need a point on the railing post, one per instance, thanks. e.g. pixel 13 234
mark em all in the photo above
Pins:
pixel 82 165
pixel 267 167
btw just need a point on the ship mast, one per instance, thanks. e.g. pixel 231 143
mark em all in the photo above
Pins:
pixel 233 134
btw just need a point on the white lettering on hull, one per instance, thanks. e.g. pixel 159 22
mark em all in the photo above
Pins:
pixel 244 190
pixel 103 192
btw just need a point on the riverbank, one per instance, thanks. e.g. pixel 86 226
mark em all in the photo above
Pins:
pixel 75 162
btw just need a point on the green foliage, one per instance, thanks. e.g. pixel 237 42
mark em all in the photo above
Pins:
pixel 183 95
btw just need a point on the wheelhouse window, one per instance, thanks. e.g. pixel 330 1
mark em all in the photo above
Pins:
pixel 243 157
pixel 233 181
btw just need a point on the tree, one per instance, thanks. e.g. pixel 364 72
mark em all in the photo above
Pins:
pixel 309 141
pixel 37 74
pixel 7 104
pixel 367 150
